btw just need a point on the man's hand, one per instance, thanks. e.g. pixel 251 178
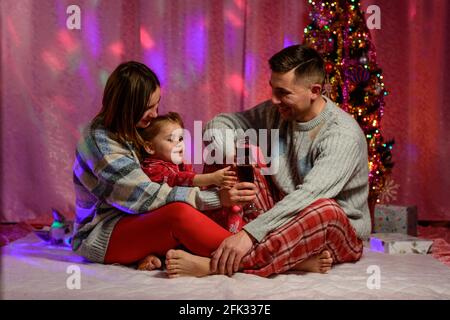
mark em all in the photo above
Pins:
pixel 227 258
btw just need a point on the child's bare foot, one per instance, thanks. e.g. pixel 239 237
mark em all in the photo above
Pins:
pixel 320 263
pixel 179 263
pixel 149 263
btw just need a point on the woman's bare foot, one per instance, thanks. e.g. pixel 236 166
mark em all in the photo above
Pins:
pixel 149 263
pixel 179 263
pixel 320 263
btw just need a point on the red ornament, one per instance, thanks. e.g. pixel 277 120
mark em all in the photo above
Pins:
pixel 328 67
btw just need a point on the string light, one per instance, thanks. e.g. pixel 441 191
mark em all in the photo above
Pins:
pixel 338 30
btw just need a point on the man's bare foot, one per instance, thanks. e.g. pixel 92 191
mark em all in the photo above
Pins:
pixel 149 263
pixel 320 263
pixel 179 263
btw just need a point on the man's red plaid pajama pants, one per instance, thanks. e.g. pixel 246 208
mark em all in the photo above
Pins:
pixel 322 225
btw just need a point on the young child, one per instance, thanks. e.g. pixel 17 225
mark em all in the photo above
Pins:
pixel 164 160
pixel 163 163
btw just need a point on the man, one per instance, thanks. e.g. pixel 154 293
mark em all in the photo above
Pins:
pixel 322 170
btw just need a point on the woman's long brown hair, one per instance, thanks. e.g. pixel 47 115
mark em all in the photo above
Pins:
pixel 125 99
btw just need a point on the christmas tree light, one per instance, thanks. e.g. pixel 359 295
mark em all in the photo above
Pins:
pixel 354 81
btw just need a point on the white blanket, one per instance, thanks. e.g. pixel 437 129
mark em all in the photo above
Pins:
pixel 32 269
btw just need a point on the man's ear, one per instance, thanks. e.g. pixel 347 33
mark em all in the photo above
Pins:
pixel 316 91
pixel 149 148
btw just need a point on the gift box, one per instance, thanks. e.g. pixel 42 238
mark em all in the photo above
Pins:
pixel 399 243
pixel 395 219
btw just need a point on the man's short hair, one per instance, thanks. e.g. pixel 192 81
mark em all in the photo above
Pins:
pixel 306 61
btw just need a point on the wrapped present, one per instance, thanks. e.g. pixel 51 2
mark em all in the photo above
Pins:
pixel 395 219
pixel 399 243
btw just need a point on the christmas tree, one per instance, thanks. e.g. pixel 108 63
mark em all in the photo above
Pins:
pixel 354 81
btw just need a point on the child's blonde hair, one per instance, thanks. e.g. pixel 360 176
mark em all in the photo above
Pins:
pixel 156 124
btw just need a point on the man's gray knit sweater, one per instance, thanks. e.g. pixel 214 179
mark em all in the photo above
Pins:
pixel 325 157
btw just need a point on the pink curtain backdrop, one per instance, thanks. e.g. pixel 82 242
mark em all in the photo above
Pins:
pixel 211 57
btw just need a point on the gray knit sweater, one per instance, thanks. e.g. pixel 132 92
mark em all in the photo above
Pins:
pixel 325 157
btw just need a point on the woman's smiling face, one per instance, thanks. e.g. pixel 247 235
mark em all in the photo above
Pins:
pixel 152 110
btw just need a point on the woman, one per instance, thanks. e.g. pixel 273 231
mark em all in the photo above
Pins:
pixel 121 215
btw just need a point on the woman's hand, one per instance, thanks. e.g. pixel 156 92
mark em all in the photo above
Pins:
pixel 239 194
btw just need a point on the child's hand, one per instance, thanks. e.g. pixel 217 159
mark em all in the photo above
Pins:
pixel 225 177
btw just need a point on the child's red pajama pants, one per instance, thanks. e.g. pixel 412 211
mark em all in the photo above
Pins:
pixel 322 225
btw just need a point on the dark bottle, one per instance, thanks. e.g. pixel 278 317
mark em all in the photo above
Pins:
pixel 245 173
pixel 244 167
